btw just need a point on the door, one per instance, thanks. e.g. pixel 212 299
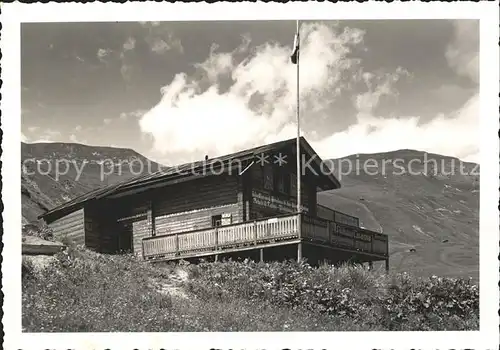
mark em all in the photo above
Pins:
pixel 125 238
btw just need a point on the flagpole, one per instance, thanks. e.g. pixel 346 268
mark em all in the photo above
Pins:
pixel 299 204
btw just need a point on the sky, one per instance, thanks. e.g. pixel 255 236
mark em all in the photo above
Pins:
pixel 177 91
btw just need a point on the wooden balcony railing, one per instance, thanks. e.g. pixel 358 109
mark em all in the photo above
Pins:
pixel 264 231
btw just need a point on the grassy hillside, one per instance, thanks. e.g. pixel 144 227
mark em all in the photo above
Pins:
pixel 432 218
pixel 84 291
pixel 81 169
pixel 430 215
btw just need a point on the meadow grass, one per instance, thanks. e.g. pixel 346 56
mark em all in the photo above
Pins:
pixel 85 291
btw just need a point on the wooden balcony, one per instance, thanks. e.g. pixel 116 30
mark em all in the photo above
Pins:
pixel 266 232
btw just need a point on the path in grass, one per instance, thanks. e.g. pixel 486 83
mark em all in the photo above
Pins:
pixel 172 284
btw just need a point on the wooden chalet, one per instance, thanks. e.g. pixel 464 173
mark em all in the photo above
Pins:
pixel 239 205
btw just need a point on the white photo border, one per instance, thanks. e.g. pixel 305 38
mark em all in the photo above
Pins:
pixel 15 14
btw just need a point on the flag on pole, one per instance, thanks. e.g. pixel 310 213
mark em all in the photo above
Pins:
pixel 295 54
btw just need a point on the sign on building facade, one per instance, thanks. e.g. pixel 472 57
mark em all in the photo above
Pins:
pixel 271 202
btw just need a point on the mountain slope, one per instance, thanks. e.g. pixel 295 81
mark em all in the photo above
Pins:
pixel 431 214
pixel 53 173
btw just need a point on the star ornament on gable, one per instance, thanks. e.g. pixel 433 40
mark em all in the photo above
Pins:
pixel 262 159
pixel 280 159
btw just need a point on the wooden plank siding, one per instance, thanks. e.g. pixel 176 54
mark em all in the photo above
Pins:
pixel 266 202
pixel 194 219
pixel 140 229
pixel 174 209
pixel 190 206
pixel 71 226
pixel 336 216
pixel 325 213
pixel 92 230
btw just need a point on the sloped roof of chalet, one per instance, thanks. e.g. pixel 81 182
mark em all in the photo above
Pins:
pixel 164 177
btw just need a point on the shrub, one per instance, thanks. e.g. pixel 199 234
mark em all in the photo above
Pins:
pixel 371 298
pixel 27 269
pixel 434 300
pixel 95 294
pixel 87 291
pixel 38 229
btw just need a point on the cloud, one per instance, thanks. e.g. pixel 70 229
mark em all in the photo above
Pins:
pixel 463 51
pixel 102 54
pixel 73 138
pixel 220 64
pixel 149 24
pixel 449 94
pixel 107 121
pixel 126 71
pixel 378 86
pixel 160 46
pixel 160 38
pixel 129 44
pixel 46 136
pixel 455 135
pixel 260 103
pixel 127 59
pixel 198 116
pixel 134 114
pixel 163 41
pixel 50 135
pixel 107 56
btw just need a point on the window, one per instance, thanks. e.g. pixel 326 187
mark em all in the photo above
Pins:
pixel 293 185
pixel 216 220
pixel 283 183
pixel 268 177
pixel 226 219
pixel 258 177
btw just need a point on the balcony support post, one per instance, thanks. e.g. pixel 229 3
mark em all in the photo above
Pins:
pixel 176 244
pixel 328 231
pixel 216 239
pixel 255 232
pixel 299 236
pixel 299 251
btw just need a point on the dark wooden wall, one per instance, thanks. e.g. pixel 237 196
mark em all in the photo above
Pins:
pixel 333 215
pixel 173 209
pixel 92 230
pixel 130 215
pixel 135 217
pixel 191 205
pixel 262 208
pixel 71 226
pixel 101 227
